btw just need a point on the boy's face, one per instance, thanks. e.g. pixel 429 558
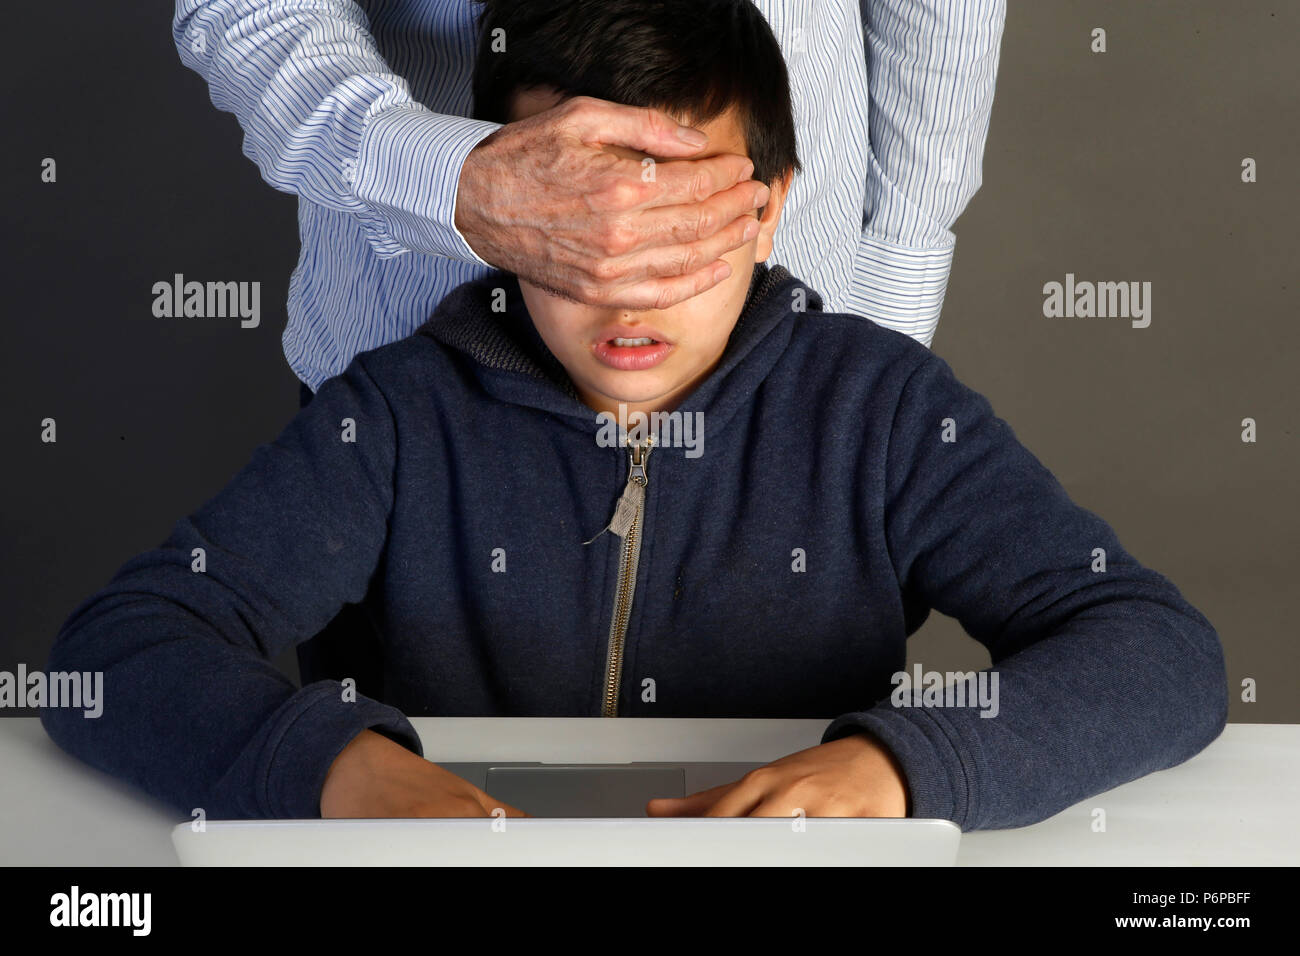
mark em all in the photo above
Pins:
pixel 688 338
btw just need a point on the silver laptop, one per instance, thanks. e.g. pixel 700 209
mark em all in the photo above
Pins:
pixel 580 815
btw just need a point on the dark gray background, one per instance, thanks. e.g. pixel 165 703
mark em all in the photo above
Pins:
pixel 1123 166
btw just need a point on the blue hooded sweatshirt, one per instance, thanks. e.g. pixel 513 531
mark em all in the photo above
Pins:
pixel 513 563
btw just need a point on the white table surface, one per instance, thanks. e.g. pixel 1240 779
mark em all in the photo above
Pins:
pixel 1237 803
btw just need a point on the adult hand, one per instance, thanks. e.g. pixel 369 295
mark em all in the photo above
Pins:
pixel 542 198
pixel 855 776
pixel 376 777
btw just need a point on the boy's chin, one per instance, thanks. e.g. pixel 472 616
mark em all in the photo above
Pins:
pixel 631 392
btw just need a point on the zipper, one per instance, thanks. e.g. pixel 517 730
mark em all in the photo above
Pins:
pixel 626 524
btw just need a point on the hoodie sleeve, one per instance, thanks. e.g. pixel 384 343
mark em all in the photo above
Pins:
pixel 194 712
pixel 1103 675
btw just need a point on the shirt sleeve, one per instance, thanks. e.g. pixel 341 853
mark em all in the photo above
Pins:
pixel 325 118
pixel 1103 675
pixel 194 712
pixel 931 70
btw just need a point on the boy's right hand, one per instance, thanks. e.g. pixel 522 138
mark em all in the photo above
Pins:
pixel 376 777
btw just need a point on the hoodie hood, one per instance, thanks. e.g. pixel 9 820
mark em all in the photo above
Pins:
pixel 513 363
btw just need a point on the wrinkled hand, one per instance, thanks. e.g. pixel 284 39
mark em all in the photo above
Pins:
pixel 555 199
pixel 855 776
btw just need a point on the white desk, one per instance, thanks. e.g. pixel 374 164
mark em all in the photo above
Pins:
pixel 1235 804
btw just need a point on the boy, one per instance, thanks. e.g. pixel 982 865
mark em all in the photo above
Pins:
pixel 826 482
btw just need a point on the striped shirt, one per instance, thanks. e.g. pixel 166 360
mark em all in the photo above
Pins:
pixel 361 110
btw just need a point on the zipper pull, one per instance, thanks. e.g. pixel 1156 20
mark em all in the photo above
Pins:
pixel 636 456
pixel 633 498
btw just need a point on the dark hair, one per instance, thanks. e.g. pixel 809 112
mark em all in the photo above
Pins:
pixel 692 58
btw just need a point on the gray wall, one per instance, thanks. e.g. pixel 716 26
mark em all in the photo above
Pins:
pixel 1123 166
pixel 1127 166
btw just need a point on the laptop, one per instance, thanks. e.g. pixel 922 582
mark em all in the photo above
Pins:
pixel 580 815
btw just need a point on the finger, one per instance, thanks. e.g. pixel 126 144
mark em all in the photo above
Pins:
pixel 678 240
pixel 778 806
pixel 659 277
pixel 663 293
pixel 490 804
pixel 744 797
pixel 697 262
pixel 691 805
pixel 636 127
pixel 689 181
pixel 683 257
pixel 692 221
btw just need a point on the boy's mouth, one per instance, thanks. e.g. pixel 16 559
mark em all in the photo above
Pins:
pixel 631 352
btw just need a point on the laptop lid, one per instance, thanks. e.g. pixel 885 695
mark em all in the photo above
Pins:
pixel 670 841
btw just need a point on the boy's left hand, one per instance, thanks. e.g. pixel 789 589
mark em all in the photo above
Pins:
pixel 855 776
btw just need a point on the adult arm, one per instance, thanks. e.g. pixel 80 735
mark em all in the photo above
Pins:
pixel 1103 676
pixel 931 70
pixel 326 119
pixel 194 712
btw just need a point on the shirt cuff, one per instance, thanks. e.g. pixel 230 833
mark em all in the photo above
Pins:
pixel 900 287
pixel 408 176
pixel 301 757
pixel 936 780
